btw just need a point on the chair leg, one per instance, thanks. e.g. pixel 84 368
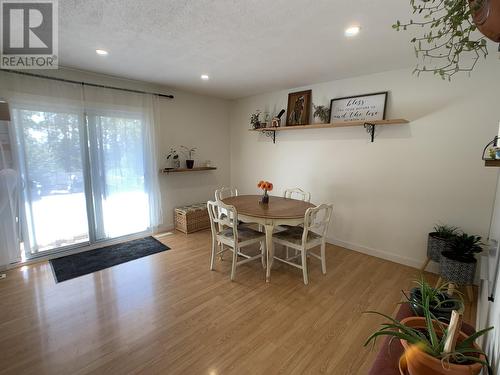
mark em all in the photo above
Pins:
pixel 424 266
pixel 221 256
pixel 235 260
pixel 323 259
pixel 287 252
pixel 212 255
pixel 304 267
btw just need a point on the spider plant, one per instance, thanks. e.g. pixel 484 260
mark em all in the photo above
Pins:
pixel 431 340
pixel 445 231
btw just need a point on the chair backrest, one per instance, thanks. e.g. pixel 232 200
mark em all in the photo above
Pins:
pixel 225 192
pixel 218 222
pixel 296 193
pixel 317 219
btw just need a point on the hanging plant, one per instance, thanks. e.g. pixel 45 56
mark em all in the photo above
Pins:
pixel 450 42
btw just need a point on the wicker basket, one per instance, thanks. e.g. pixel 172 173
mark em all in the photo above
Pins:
pixel 189 219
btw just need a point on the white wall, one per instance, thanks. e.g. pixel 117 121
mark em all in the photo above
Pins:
pixel 387 195
pixel 190 120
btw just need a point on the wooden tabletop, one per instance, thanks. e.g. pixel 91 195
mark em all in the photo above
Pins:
pixel 277 208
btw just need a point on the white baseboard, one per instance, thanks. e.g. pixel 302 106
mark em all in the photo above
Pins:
pixel 411 262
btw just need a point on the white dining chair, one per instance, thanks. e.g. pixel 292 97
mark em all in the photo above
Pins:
pixel 297 193
pixel 225 192
pixel 294 193
pixel 232 236
pixel 313 234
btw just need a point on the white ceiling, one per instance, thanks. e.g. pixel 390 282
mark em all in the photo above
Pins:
pixel 247 47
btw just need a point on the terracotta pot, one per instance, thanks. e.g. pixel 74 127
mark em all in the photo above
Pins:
pixel 421 363
pixel 486 16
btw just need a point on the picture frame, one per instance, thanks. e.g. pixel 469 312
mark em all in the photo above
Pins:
pixel 298 111
pixel 366 107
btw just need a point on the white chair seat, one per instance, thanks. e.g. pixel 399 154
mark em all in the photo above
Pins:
pixel 244 234
pixel 294 235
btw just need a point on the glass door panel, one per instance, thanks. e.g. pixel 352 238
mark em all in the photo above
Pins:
pixel 121 203
pixel 55 212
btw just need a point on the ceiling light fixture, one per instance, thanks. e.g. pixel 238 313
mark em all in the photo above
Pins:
pixel 101 52
pixel 352 31
pixel 205 77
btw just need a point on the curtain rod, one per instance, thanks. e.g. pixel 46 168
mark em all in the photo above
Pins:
pixel 86 83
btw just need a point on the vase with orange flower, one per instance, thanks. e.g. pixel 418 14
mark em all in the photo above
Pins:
pixel 266 186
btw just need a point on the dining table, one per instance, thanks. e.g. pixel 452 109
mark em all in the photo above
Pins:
pixel 279 211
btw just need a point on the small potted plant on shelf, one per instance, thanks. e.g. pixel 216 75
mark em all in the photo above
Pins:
pixel 173 160
pixel 440 304
pixel 322 113
pixel 440 240
pixel 266 186
pixel 458 264
pixel 426 342
pixel 255 120
pixel 189 153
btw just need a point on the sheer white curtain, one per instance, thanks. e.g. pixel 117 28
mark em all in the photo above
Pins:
pixel 122 134
pixel 9 198
pixel 47 125
pixel 87 160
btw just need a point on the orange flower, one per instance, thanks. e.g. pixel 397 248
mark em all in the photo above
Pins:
pixel 269 186
pixel 260 185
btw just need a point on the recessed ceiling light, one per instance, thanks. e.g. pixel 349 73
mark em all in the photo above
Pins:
pixel 351 31
pixel 205 77
pixel 101 52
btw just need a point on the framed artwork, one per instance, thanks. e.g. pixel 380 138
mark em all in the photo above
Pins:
pixel 359 108
pixel 299 108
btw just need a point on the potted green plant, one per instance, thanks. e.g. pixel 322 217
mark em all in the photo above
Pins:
pixel 458 264
pixel 322 113
pixel 172 159
pixel 440 304
pixel 449 43
pixel 439 240
pixel 255 120
pixel 424 341
pixel 189 153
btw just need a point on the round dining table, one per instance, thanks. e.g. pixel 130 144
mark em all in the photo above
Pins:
pixel 279 211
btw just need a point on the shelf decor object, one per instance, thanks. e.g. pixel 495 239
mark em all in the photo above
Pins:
pixel 369 125
pixel 299 107
pixel 491 153
pixel 181 170
pixel 367 107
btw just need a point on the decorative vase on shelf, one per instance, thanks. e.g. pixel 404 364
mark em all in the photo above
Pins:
pixel 266 186
pixel 189 164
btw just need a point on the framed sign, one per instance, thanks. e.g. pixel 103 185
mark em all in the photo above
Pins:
pixel 359 108
pixel 299 107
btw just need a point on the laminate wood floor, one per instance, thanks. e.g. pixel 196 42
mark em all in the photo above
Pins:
pixel 168 314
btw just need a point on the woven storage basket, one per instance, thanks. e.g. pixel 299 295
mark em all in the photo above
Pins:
pixel 435 246
pixel 189 219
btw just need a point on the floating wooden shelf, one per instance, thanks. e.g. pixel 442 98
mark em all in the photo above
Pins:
pixel 369 125
pixel 196 169
pixel 492 163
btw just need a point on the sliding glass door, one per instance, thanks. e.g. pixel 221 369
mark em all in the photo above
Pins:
pixel 118 173
pixel 51 161
pixel 84 177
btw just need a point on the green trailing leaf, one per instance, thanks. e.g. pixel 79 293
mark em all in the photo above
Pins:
pixel 448 39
